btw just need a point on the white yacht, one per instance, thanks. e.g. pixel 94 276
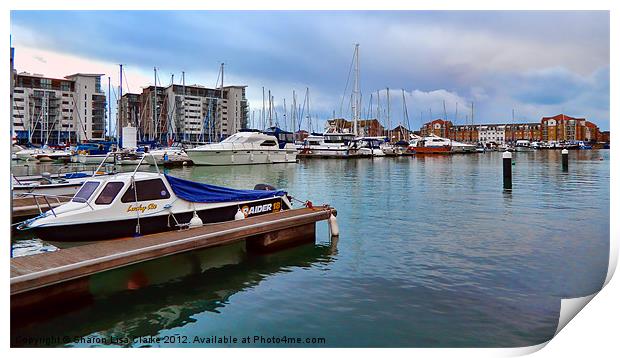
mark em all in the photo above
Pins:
pixel 30 153
pixel 328 145
pixel 367 147
pixel 170 156
pixel 244 148
pixel 139 203
pixel 523 145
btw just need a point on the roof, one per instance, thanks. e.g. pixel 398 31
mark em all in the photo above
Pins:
pixel 561 117
pixel 85 75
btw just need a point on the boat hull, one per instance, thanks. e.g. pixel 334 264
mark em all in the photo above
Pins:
pixel 242 157
pixel 106 230
pixel 93 158
pixel 430 150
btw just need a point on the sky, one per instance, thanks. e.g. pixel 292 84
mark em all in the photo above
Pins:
pixel 535 63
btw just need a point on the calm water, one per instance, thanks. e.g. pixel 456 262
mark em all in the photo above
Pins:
pixel 432 253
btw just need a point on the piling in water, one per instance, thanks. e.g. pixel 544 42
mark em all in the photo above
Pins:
pixel 507 159
pixel 565 159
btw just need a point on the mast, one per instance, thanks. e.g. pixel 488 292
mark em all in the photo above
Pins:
pixel 285 124
pixel 378 107
pixel 389 118
pixel 183 102
pixel 152 126
pixel 472 123
pixel 270 111
pixel 406 115
pixel 262 113
pixel 308 109
pixel 221 95
pixel 356 90
pixel 110 110
pixel 294 110
pixel 119 113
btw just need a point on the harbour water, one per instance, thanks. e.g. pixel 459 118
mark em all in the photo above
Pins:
pixel 432 253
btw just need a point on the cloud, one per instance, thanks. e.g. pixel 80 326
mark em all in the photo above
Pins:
pixel 539 60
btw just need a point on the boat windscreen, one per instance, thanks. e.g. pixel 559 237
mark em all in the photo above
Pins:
pixel 85 192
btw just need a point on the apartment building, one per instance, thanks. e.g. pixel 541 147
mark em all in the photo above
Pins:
pixel 557 128
pixel 190 113
pixel 52 110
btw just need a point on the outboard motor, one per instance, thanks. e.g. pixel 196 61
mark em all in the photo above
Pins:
pixel 264 187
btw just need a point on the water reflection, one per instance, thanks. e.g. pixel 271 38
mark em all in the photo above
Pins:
pixel 201 285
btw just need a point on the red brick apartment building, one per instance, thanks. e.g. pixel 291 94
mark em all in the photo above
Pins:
pixel 557 128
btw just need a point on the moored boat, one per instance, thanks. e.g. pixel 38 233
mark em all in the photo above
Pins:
pixel 170 156
pixel 138 203
pixel 327 145
pixel 367 147
pixel 429 145
pixel 244 148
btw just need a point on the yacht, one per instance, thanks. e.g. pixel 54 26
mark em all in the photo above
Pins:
pixel 170 156
pixel 93 153
pixel 367 147
pixel 241 148
pixel 30 153
pixel 327 145
pixel 46 185
pixel 523 145
pixel 430 145
pixel 138 203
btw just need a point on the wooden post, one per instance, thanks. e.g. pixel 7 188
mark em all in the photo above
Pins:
pixel 507 159
pixel 565 159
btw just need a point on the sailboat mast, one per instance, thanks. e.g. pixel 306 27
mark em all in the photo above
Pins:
pixel 119 112
pixel 183 103
pixel 308 109
pixel 270 112
pixel 222 96
pixel 389 119
pixel 378 107
pixel 109 110
pixel 356 90
pixel 262 113
pixel 284 122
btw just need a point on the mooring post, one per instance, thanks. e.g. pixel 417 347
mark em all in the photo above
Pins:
pixel 565 159
pixel 507 159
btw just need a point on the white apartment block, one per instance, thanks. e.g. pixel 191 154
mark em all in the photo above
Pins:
pixel 492 134
pixel 191 113
pixel 52 111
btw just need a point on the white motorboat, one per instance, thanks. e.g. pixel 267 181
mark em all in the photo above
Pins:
pixel 328 145
pixel 367 147
pixel 65 185
pixel 171 156
pixel 523 145
pixel 244 148
pixel 460 147
pixel 134 203
pixel 94 158
pixel 29 154
pixel 55 156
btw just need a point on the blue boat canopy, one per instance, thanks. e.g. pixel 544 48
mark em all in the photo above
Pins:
pixel 206 193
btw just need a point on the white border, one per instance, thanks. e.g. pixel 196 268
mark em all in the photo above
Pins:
pixel 594 330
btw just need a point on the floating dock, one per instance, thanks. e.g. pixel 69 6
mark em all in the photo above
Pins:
pixel 50 277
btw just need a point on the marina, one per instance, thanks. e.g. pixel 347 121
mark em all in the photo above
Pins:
pixel 228 182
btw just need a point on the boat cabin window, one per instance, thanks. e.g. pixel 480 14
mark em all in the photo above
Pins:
pixel 268 143
pixel 109 192
pixel 85 192
pixel 152 189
